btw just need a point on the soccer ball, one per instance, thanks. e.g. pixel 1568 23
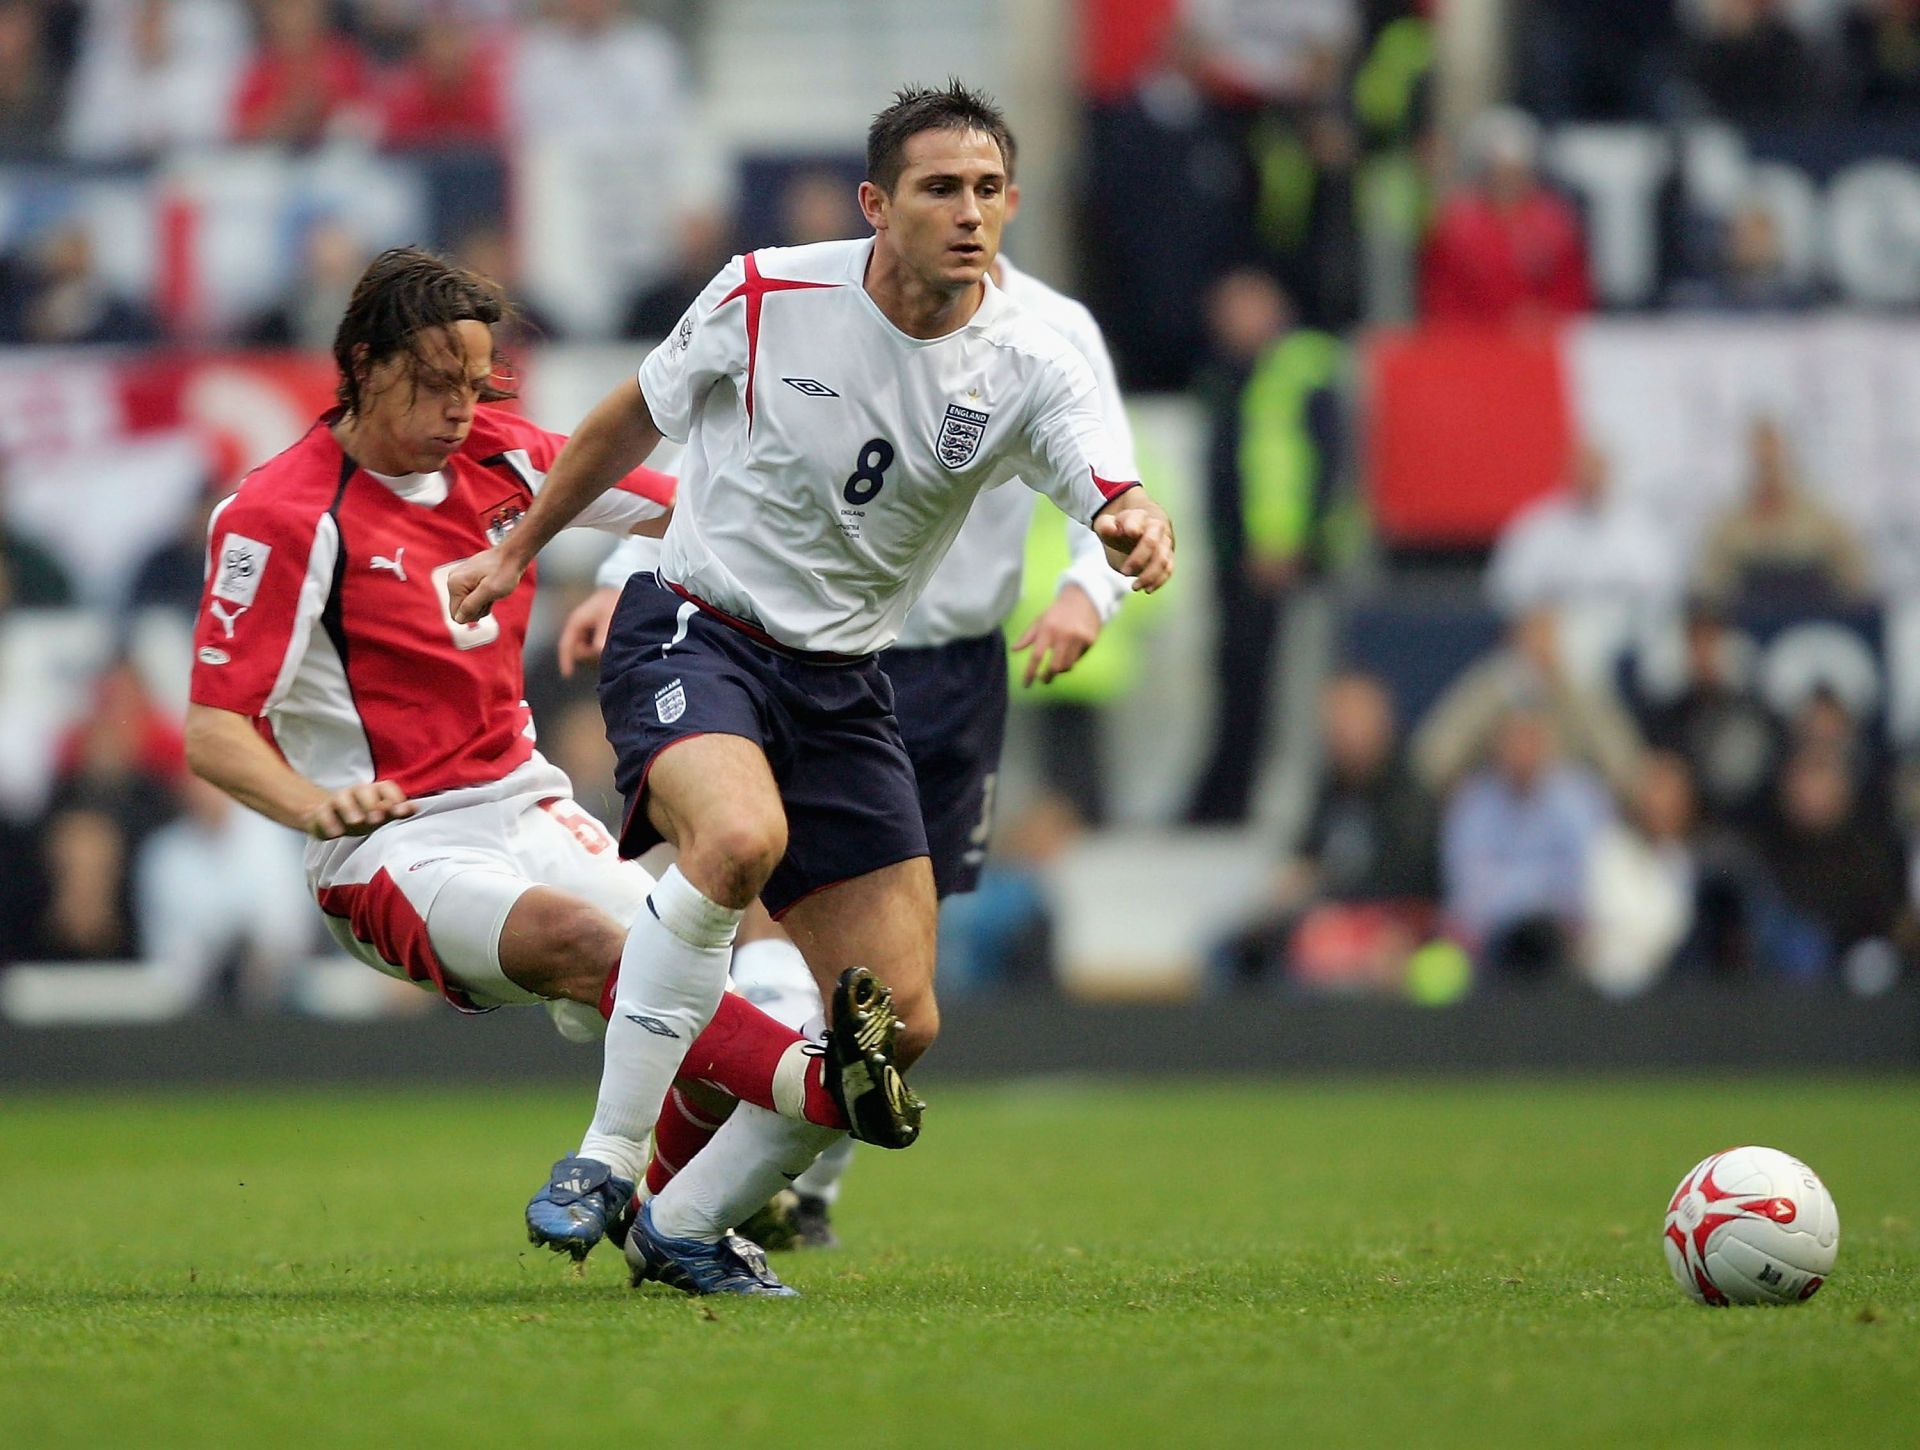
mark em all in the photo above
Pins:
pixel 1751 1226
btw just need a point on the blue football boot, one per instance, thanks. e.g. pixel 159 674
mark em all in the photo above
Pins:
pixel 582 1203
pixel 732 1266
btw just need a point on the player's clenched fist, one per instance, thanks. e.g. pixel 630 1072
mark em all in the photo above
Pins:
pixel 356 810
pixel 1145 535
pixel 475 585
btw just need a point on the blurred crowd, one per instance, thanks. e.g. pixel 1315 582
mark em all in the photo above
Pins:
pixel 1762 62
pixel 1678 804
pixel 1258 181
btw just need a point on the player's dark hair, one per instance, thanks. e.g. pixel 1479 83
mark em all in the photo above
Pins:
pixel 405 293
pixel 920 108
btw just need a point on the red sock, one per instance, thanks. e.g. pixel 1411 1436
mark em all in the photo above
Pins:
pixel 742 1052
pixel 682 1131
pixel 759 1060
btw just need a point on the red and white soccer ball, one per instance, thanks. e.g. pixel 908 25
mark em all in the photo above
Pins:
pixel 1751 1226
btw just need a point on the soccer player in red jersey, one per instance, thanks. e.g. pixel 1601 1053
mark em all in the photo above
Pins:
pixel 334 693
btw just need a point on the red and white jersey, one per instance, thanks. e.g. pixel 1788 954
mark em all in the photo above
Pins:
pixel 831 458
pixel 325 610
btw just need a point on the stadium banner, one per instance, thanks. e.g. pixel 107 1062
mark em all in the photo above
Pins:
pixel 1462 429
pixel 1844 197
pixel 107 453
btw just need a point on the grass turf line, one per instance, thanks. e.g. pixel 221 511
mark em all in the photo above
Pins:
pixel 1417 1263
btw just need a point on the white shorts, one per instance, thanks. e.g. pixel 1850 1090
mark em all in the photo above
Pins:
pixel 425 898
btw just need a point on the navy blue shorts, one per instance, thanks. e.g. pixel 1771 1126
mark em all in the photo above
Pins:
pixel 672 670
pixel 951 700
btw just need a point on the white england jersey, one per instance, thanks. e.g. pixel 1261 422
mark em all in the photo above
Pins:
pixel 830 458
pixel 978 583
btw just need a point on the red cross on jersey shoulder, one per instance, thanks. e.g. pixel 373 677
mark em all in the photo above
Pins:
pixel 755 289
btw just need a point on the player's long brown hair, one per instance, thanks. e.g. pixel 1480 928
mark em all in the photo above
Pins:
pixel 405 293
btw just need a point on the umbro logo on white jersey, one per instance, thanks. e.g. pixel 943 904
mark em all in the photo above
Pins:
pixel 810 387
pixel 396 565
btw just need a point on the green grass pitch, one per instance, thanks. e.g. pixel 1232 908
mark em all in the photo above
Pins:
pixel 1408 1263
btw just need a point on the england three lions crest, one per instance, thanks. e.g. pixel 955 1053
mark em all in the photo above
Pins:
pixel 960 434
pixel 670 702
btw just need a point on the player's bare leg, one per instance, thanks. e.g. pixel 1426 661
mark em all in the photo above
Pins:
pixel 885 917
pixel 886 920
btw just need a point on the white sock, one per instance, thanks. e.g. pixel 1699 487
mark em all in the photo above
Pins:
pixel 672 973
pixel 627 1157
pixel 771 974
pixel 822 1181
pixel 754 1155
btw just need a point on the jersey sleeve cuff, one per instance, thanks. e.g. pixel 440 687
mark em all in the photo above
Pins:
pixel 1102 485
pixel 1096 579
pixel 654 410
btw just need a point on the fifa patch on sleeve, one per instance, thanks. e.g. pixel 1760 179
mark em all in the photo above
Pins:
pixel 242 562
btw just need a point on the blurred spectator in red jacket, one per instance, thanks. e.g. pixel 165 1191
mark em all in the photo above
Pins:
pixel 1505 248
pixel 448 92
pixel 305 81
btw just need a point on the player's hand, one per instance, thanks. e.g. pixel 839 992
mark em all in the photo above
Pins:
pixel 1064 631
pixel 584 634
pixel 475 585
pixel 1145 536
pixel 357 810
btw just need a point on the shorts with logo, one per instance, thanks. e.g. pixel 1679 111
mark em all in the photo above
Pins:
pixel 951 700
pixel 425 898
pixel 673 669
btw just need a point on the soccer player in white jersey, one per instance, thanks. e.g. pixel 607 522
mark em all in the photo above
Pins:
pixel 948 669
pixel 842 404
pixel 332 692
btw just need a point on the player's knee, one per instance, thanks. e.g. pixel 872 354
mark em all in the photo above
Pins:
pixel 732 860
pixel 560 947
pixel 589 944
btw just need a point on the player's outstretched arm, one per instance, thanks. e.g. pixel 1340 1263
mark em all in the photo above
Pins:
pixel 611 441
pixel 1139 538
pixel 225 750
